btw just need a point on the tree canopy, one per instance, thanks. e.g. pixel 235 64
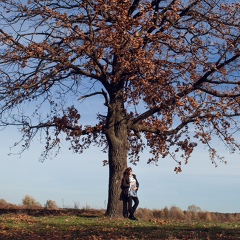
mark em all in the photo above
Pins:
pixel 167 73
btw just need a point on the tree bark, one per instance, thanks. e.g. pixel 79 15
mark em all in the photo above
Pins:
pixel 116 133
pixel 117 165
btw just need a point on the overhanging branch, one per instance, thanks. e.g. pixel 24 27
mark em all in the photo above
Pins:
pixel 97 93
pixel 143 128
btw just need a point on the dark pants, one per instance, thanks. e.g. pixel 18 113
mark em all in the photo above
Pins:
pixel 133 208
pixel 125 206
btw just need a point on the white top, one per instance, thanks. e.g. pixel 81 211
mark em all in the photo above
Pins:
pixel 132 192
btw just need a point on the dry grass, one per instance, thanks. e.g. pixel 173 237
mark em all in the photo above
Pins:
pixel 92 224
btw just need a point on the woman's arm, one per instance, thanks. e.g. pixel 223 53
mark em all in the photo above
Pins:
pixel 137 183
pixel 125 184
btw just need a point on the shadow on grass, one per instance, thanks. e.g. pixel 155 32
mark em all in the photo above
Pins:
pixel 131 232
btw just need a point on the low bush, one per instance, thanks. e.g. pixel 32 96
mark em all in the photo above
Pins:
pixel 3 203
pixel 30 202
pixel 50 204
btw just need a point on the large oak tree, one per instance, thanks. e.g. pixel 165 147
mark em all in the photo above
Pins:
pixel 166 71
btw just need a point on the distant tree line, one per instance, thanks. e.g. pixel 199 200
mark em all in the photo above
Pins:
pixel 29 202
pixel 174 213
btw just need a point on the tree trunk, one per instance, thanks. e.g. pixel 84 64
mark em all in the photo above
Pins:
pixel 116 133
pixel 117 165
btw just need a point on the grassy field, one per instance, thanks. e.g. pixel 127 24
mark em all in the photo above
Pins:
pixel 91 224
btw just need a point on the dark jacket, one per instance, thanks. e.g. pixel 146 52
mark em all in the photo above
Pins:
pixel 125 185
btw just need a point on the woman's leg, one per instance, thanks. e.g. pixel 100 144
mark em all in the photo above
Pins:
pixel 133 208
pixel 125 207
pixel 130 206
pixel 136 202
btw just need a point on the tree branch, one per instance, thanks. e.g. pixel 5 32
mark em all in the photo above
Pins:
pixel 96 93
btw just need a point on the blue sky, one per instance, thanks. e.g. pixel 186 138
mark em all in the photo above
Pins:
pixel 70 179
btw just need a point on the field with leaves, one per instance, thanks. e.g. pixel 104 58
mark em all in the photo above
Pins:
pixel 92 224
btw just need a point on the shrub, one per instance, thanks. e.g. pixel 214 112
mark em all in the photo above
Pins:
pixel 192 212
pixel 176 213
pixel 158 213
pixel 50 204
pixel 165 213
pixel 3 203
pixel 30 202
pixel 144 213
pixel 206 216
pixel 194 208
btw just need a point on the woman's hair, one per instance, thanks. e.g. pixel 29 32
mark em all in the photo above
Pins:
pixel 127 171
pixel 126 174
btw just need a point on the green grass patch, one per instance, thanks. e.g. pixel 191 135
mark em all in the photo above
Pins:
pixel 75 226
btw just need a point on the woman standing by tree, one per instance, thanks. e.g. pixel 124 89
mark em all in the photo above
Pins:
pixel 129 187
